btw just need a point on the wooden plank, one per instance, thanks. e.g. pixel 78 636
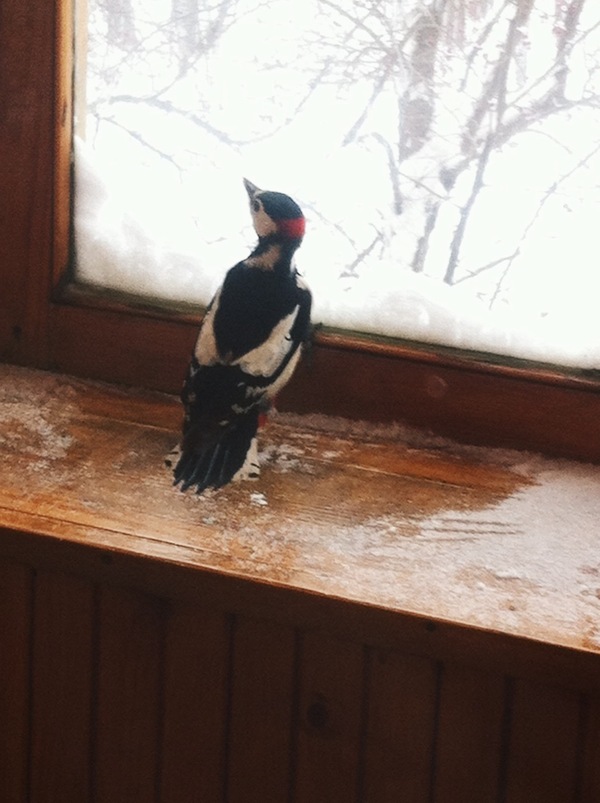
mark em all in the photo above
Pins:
pixel 62 689
pixel 434 506
pixel 402 693
pixel 27 90
pixel 472 405
pixel 15 639
pixel 262 693
pixel 330 720
pixel 469 738
pixel 543 746
pixel 81 331
pixel 63 129
pixel 116 558
pixel 589 782
pixel 129 696
pixel 475 406
pixel 195 705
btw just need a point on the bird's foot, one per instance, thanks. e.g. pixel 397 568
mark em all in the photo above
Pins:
pixel 172 458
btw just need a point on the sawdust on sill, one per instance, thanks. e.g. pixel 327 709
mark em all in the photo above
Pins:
pixel 386 515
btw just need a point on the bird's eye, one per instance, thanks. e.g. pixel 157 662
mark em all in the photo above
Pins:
pixel 256 206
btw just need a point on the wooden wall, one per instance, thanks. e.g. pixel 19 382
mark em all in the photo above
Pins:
pixel 116 694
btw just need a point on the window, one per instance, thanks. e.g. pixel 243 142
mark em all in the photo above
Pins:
pixel 49 321
pixel 446 155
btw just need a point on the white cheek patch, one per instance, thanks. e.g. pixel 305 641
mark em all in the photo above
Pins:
pixel 206 346
pixel 265 359
pixel 263 224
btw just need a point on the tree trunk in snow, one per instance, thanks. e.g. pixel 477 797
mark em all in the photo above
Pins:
pixel 467 78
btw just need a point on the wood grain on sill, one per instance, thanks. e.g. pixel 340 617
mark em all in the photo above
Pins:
pixel 405 523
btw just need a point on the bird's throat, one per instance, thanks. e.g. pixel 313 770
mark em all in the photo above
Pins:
pixel 265 258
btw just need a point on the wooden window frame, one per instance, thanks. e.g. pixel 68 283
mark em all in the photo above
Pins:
pixel 50 322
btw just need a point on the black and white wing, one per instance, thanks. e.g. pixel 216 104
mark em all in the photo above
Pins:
pixel 247 349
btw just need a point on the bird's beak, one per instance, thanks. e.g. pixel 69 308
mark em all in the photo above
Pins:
pixel 251 188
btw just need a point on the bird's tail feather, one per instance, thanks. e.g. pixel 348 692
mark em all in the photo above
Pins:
pixel 213 463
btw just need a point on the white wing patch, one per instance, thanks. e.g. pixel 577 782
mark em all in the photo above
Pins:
pixel 284 377
pixel 265 359
pixel 206 346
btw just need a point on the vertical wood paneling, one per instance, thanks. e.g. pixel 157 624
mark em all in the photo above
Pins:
pixel 469 739
pixel 262 696
pixel 542 759
pixel 195 705
pixel 400 728
pixel 27 62
pixel 590 764
pixel 15 639
pixel 330 712
pixel 105 697
pixel 62 689
pixel 129 691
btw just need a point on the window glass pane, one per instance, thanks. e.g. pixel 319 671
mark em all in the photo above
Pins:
pixel 446 155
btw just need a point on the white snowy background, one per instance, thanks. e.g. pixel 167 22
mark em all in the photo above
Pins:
pixel 361 110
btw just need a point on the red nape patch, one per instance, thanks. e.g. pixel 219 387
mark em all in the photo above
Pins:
pixel 292 228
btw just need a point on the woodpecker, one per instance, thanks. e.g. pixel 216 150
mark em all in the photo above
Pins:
pixel 248 346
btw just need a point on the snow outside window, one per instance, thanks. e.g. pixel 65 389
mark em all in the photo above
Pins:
pixel 446 154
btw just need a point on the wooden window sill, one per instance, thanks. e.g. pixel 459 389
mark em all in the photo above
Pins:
pixel 499 541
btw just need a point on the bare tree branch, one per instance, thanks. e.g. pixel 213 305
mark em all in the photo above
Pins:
pixel 545 198
pixel 422 249
pixel 490 265
pixel 350 270
pixel 143 141
pixel 420 62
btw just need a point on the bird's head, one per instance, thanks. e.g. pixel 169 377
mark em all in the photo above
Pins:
pixel 274 213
